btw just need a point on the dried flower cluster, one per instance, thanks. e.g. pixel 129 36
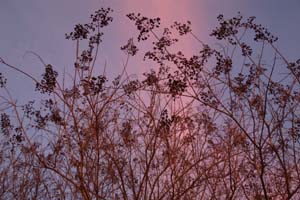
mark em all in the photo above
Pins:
pixel 221 124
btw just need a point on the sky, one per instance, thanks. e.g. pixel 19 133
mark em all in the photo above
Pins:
pixel 40 25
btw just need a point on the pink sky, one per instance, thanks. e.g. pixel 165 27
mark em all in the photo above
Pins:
pixel 169 11
pixel 39 26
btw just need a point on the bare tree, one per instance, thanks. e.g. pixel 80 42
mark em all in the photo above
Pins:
pixel 222 124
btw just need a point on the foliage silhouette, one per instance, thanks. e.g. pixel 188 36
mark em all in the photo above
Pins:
pixel 221 124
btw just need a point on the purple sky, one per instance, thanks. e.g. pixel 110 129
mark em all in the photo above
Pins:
pixel 40 25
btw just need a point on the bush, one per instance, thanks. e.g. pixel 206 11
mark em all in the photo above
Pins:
pixel 221 124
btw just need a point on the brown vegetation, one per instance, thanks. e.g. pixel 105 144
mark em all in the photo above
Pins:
pixel 222 124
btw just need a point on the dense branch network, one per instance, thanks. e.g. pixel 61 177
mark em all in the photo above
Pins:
pixel 221 124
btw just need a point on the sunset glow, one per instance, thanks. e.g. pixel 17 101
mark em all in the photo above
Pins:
pixel 150 99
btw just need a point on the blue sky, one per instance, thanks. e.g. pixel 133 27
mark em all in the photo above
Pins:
pixel 40 25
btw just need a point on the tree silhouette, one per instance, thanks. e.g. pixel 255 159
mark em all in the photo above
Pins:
pixel 221 124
